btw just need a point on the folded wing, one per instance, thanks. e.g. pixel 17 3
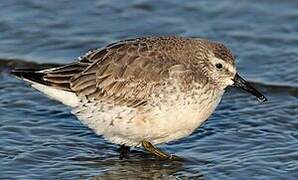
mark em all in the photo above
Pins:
pixel 123 73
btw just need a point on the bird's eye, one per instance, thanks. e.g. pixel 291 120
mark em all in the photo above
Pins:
pixel 218 65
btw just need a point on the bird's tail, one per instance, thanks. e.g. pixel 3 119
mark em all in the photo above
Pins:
pixel 54 82
pixel 58 77
pixel 30 75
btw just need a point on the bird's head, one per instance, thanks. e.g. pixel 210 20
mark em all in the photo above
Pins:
pixel 219 66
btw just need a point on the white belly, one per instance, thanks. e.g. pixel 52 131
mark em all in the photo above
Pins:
pixel 166 118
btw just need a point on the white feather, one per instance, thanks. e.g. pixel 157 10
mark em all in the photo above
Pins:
pixel 65 97
pixel 170 115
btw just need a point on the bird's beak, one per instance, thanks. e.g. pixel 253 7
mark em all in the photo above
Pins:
pixel 242 84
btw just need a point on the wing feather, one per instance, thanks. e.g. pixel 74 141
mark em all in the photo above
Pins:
pixel 123 73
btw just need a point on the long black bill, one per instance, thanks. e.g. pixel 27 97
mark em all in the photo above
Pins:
pixel 241 83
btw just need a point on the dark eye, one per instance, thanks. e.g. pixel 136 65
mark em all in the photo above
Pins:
pixel 218 66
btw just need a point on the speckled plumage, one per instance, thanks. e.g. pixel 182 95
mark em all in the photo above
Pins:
pixel 127 71
pixel 155 88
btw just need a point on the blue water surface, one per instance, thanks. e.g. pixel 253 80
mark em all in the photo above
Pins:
pixel 41 139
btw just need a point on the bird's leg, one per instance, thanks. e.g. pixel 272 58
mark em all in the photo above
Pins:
pixel 149 147
pixel 124 150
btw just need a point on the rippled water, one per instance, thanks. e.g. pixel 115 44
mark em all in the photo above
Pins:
pixel 243 139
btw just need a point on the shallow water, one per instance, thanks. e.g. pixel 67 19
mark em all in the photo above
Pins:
pixel 243 139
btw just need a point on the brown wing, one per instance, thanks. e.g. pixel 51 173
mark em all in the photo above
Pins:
pixel 124 72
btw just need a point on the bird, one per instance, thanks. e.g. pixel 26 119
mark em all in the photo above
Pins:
pixel 145 91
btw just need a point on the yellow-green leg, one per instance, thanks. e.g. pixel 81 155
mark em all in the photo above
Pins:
pixel 149 147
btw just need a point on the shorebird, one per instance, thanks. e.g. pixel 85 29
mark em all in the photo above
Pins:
pixel 144 91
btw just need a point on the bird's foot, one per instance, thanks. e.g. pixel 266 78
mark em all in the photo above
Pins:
pixel 173 157
pixel 124 150
pixel 151 148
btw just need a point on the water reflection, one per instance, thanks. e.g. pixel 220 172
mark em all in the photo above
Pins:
pixel 139 165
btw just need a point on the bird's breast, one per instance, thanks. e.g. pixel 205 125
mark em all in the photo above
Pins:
pixel 170 114
pixel 178 113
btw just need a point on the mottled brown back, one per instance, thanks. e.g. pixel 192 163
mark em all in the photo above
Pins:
pixel 128 71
